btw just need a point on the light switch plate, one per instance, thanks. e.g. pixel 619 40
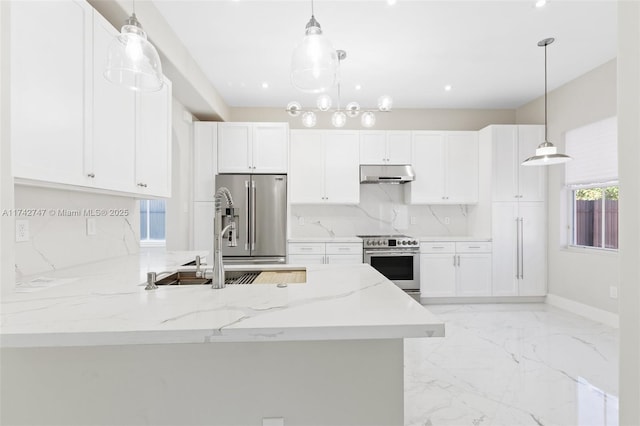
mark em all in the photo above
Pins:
pixel 613 292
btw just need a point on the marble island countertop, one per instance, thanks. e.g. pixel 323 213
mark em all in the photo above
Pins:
pixel 106 304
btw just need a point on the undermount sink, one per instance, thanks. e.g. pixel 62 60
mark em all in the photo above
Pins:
pixel 276 275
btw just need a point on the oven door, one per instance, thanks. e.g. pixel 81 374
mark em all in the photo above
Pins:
pixel 401 267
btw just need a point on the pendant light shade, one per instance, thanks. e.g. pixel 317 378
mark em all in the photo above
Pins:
pixel 546 153
pixel 132 61
pixel 314 64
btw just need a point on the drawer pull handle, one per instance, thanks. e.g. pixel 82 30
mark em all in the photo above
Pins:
pixel 477 247
pixel 437 247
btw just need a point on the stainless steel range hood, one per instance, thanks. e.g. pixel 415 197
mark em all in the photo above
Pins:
pixel 370 173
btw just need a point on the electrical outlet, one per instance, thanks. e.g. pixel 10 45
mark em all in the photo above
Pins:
pixel 22 230
pixel 447 220
pixel 613 292
pixel 91 226
pixel 412 220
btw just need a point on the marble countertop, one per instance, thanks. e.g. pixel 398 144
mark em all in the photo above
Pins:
pixel 454 238
pixel 325 240
pixel 105 303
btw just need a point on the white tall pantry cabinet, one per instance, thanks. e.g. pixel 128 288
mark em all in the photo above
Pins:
pixel 519 225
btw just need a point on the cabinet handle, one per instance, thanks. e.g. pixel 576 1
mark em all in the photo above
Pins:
pixel 306 248
pixel 474 247
pixel 437 247
pixel 454 260
pixel 91 175
pixel 142 185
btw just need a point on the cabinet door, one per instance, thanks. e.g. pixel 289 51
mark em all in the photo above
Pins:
pixel 203 213
pixel 306 259
pixel 343 259
pixel 473 275
pixel 531 180
pixel 504 238
pixel 373 147
pixel 234 148
pixel 153 142
pixel 462 167
pixel 429 167
pixel 50 61
pixel 110 153
pixel 342 170
pixel 270 147
pixel 306 182
pixel 399 147
pixel 205 137
pixel 437 275
pixel 505 165
pixel 533 272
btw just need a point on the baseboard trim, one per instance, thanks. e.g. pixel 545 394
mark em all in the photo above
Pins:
pixel 583 310
pixel 484 299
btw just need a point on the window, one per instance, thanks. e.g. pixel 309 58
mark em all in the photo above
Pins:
pixel 592 182
pixel 152 222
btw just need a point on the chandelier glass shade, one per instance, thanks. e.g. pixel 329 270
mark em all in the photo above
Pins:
pixel 314 63
pixel 132 61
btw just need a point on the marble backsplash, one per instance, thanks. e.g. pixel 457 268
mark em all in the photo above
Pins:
pixel 58 229
pixel 382 210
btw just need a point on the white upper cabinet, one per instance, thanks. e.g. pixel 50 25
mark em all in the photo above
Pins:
pixel 253 147
pixel 205 145
pixel 511 145
pixel 446 168
pixel 153 142
pixel 385 147
pixel 110 152
pixel 50 63
pixel 324 167
pixel 69 125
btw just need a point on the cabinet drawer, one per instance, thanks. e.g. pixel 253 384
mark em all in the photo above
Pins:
pixel 437 247
pixel 344 248
pixel 473 247
pixel 306 248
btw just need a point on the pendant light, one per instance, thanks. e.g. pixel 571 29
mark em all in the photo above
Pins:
pixel 546 153
pixel 314 64
pixel 132 61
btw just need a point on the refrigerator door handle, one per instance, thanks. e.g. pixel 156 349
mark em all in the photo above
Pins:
pixel 522 248
pixel 246 222
pixel 517 248
pixel 253 215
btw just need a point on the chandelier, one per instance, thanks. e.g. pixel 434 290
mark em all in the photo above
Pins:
pixel 339 115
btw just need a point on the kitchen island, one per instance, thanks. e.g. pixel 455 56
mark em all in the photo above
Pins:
pixel 99 349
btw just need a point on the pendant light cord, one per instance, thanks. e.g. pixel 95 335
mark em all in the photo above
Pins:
pixel 311 7
pixel 545 93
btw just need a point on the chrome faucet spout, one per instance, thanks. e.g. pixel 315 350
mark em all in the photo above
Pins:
pixel 218 266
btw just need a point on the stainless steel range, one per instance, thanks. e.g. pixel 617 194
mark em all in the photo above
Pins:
pixel 397 257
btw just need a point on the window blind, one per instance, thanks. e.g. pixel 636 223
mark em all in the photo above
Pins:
pixel 594 149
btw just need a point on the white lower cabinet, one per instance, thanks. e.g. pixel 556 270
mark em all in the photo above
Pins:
pixel 318 253
pixel 455 269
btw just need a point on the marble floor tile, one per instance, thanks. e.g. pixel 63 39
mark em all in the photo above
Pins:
pixel 512 364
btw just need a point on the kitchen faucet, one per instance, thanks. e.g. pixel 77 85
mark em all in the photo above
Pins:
pixel 218 231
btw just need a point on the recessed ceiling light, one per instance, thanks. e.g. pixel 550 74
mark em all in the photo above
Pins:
pixel 265 85
pixel 448 87
pixel 541 3
pixel 358 87
pixel 391 2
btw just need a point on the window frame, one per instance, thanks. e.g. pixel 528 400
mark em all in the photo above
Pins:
pixel 571 219
pixel 152 242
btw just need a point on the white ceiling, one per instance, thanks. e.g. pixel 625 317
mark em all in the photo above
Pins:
pixel 486 50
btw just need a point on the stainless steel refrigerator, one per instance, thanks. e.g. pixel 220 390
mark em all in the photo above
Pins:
pixel 260 206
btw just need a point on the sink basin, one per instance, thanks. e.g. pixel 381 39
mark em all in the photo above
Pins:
pixel 264 275
pixel 183 278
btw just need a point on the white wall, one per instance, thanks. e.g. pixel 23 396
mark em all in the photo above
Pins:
pixel 6 180
pixel 583 276
pixel 398 119
pixel 178 215
pixel 629 160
